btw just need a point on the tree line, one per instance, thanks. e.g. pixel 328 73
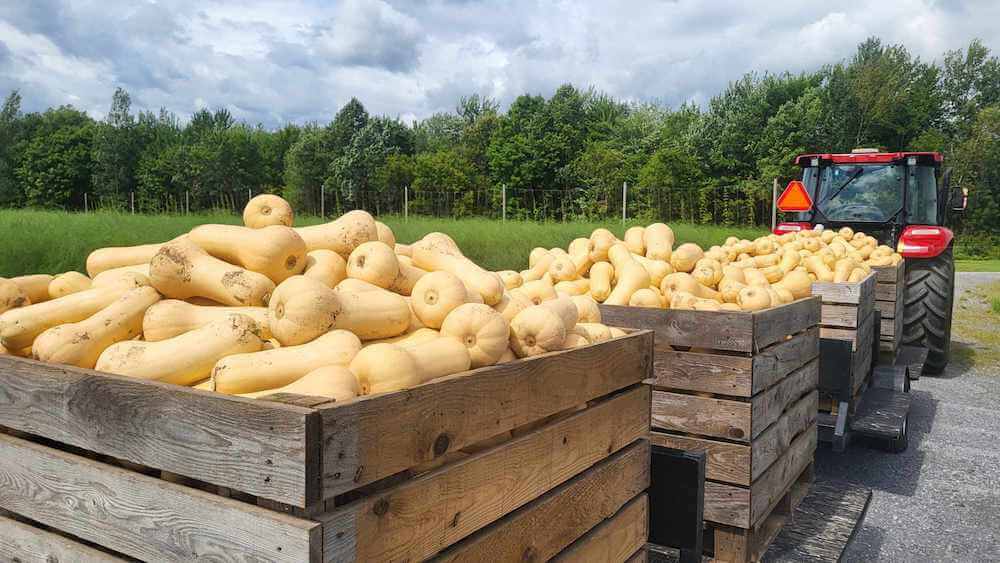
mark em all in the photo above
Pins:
pixel 574 149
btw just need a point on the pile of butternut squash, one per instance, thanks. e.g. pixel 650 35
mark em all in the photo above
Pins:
pixel 334 310
pixel 645 270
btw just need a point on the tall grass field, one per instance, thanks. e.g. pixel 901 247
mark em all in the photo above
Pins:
pixel 34 242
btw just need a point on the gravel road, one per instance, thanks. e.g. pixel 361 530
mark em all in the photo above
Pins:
pixel 939 500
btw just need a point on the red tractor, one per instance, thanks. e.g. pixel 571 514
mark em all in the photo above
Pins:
pixel 903 199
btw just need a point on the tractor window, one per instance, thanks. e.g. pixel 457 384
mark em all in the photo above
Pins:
pixel 921 199
pixel 864 193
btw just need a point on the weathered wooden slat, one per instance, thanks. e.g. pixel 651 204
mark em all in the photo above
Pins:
pixel 731 419
pixel 718 330
pixel 641 555
pixel 888 274
pixel 705 416
pixel 374 437
pixel 743 507
pixel 616 539
pixel 545 527
pixel 732 375
pixel 724 461
pixel 774 324
pixel 259 448
pixel 768 407
pixel 887 309
pixel 845 316
pixel 27 544
pixel 420 517
pixel 142 516
pixel 777 439
pixel 886 292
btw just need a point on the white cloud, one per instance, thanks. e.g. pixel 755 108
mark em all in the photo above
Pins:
pixel 274 61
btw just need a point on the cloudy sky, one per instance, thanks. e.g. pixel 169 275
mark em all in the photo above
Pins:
pixel 300 60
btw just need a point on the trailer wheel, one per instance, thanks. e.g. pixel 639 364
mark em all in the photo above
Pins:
pixel 930 290
pixel 899 445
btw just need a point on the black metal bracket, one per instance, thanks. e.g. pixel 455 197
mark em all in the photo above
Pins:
pixel 677 501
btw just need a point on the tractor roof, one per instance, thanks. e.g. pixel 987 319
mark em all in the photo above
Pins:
pixel 870 157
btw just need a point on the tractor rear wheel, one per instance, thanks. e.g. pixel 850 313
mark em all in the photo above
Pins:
pixel 930 290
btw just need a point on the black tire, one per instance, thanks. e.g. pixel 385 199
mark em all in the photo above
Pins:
pixel 930 290
pixel 899 445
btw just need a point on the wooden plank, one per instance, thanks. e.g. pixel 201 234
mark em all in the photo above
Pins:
pixel 848 334
pixel 824 524
pixel 545 527
pixel 886 292
pixel 142 516
pixel 845 316
pixel 420 517
pixel 732 375
pixel 259 448
pixel 888 274
pixel 24 543
pixel 615 539
pixel 718 330
pixel 774 324
pixel 861 293
pixel 775 441
pixel 373 437
pixel 775 362
pixel 768 407
pixel 706 416
pixel 641 555
pixel 724 461
pixel 742 507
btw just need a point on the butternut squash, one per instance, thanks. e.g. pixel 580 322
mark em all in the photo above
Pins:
pixel 685 257
pixel 683 300
pixel 433 258
pixel 435 295
pixel 382 368
pixel 707 276
pixel 482 329
pixel 510 279
pixel 271 369
pixel 266 210
pixel 729 289
pixel 375 263
pixel 171 317
pixel 659 241
pixel 184 359
pixel 403 250
pixel 600 280
pixel 683 282
pixel 511 304
pixel 107 258
pixel 276 251
pixel 579 253
pixel 325 266
pixel 754 298
pixel 593 332
pixel 566 309
pixel 706 305
pixel 12 296
pixel 407 278
pixel 798 283
pixel 856 275
pixel 19 327
pixel 562 268
pixel 342 235
pixel 35 287
pixel 332 382
pixel 118 275
pixel 784 294
pixel 772 274
pixel 602 240
pixel 587 309
pixel 182 270
pixel 763 246
pixel 302 309
pixel 418 336
pixel 574 340
pixel 536 291
pixel 631 279
pixel 645 297
pixel 817 266
pixel 69 282
pixel 385 234
pixel 575 287
pixel 842 269
pixel 657 269
pixel 540 267
pixel 80 344
pixel 536 330
pixel 733 272
pixel 372 312
pixel 508 356
pixel 617 332
pixel 440 357
pixel 729 307
pixel 634 240
pixel 755 278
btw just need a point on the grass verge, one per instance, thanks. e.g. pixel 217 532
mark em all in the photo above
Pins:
pixel 974 325
pixel 977 265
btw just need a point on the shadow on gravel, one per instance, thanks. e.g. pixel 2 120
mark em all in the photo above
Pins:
pixel 869 539
pixel 963 359
pixel 868 463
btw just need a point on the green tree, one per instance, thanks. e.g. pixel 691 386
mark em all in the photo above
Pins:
pixel 56 163
pixel 116 149
pixel 10 136
pixel 441 182
pixel 306 168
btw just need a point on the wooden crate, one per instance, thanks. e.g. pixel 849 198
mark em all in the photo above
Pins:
pixel 890 282
pixel 847 316
pixel 740 387
pixel 461 468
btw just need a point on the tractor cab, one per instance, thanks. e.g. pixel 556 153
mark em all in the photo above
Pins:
pixel 904 200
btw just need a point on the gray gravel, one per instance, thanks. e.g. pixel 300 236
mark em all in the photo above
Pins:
pixel 939 500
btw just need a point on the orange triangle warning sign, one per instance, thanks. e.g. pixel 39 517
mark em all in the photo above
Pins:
pixel 795 198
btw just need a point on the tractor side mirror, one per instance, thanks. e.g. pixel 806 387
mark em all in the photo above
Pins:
pixel 959 198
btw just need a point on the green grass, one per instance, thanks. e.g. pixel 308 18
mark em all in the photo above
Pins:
pixel 977 265
pixel 53 242
pixel 974 326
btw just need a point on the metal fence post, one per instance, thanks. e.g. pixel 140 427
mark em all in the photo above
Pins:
pixel 132 198
pixel 85 210
pixel 624 201
pixel 187 202
pixel 503 191
pixel 774 204
pixel 249 194
pixel 322 201
pixel 406 204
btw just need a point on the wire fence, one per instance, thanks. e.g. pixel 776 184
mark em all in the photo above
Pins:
pixel 747 204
